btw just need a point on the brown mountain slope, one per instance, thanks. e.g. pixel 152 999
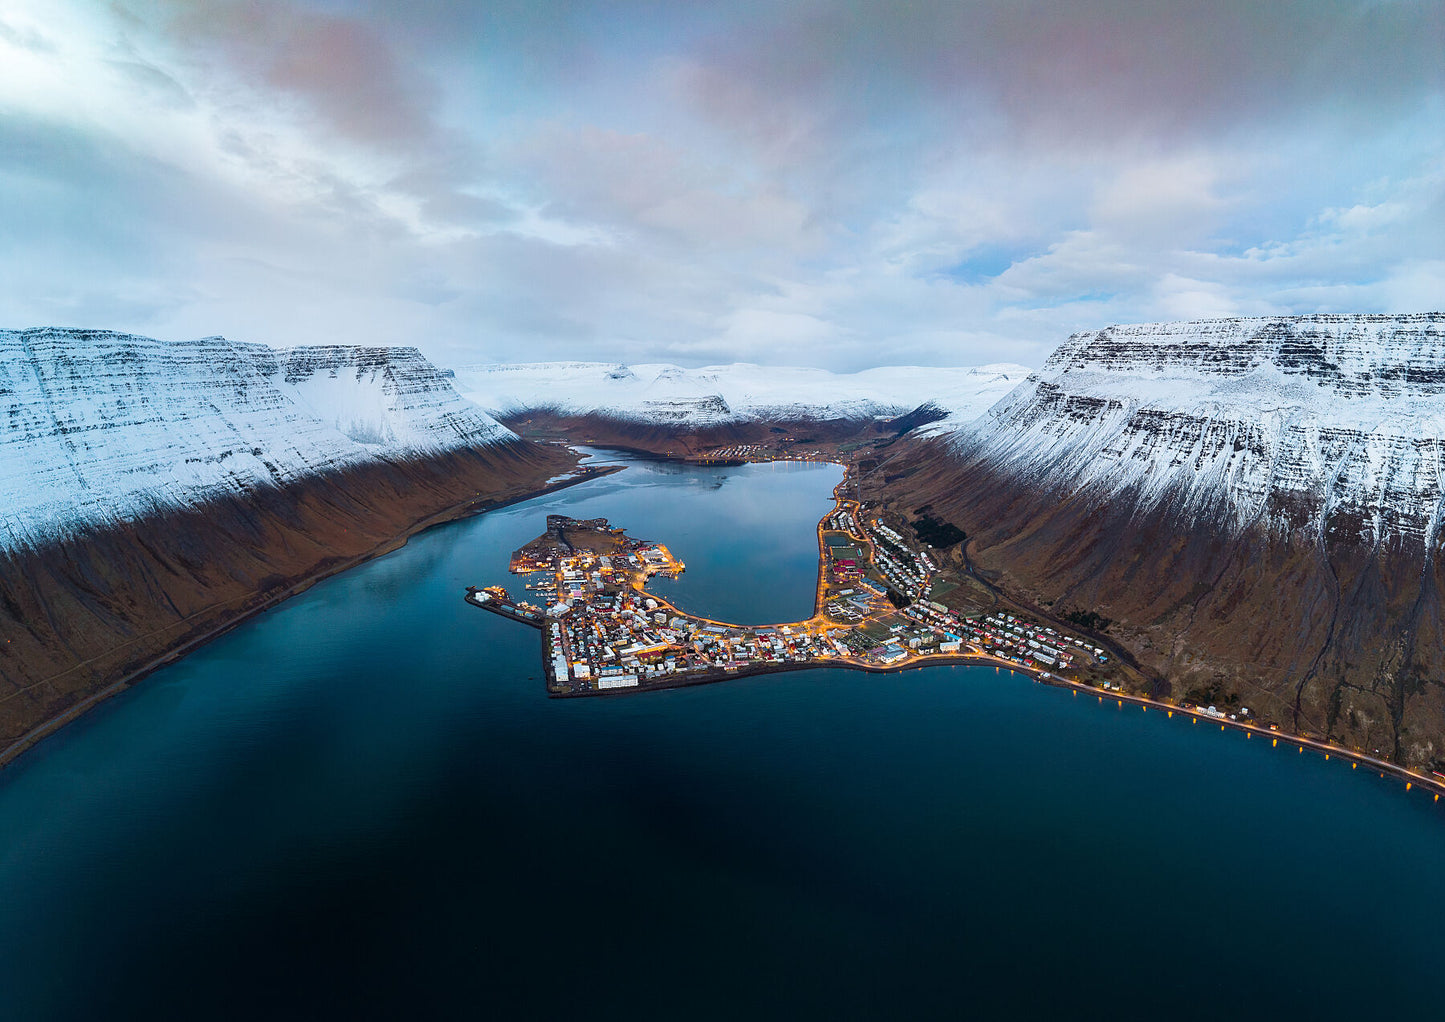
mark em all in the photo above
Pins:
pixel 80 616
pixel 1332 636
pixel 685 440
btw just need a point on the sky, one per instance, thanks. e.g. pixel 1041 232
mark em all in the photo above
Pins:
pixel 790 183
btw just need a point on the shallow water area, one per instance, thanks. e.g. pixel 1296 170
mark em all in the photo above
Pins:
pixel 363 804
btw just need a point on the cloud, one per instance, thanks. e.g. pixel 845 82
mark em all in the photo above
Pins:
pixel 1173 202
pixel 1088 72
pixel 26 37
pixel 1179 297
pixel 791 181
pixel 155 83
pixel 336 69
pixel 637 185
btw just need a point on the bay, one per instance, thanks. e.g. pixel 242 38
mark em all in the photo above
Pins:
pixel 362 804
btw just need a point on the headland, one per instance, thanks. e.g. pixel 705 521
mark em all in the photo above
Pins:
pixel 878 606
pixel 887 599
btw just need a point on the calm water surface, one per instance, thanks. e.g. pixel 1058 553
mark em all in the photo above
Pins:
pixel 362 805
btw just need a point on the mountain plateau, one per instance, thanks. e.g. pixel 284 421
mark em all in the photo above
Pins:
pixel 1253 504
pixel 152 494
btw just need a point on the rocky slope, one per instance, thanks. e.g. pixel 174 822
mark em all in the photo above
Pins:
pixel 1256 503
pixel 152 493
pixel 102 427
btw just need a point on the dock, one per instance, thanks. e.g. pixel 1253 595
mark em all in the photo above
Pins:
pixel 495 599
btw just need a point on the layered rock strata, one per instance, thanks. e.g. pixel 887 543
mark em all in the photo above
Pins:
pixel 1255 503
pixel 151 494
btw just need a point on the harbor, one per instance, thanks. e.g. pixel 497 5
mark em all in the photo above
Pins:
pixel 604 631
pixel 496 600
pixel 878 608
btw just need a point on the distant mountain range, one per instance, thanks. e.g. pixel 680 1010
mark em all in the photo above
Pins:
pixel 667 395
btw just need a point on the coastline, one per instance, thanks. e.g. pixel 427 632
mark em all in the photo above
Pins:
pixel 1432 784
pixel 464 509
pixel 1413 780
pixel 472 507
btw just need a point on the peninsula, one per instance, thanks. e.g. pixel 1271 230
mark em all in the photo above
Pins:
pixel 881 604
pixel 891 595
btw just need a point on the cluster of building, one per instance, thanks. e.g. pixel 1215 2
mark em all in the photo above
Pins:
pixel 603 631
pixel 921 629
pixel 842 520
pixel 1007 636
pixel 737 452
pixel 927 627
pixel 908 571
pixel 623 638
pixel 1030 643
pixel 741 454
pixel 856 603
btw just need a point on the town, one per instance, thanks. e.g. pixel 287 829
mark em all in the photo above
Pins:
pixel 880 606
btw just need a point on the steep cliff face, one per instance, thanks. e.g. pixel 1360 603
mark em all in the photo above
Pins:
pixel 1255 502
pixel 152 493
pixel 100 427
pixel 1332 423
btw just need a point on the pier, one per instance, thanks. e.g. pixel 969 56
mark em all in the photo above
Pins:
pixel 496 599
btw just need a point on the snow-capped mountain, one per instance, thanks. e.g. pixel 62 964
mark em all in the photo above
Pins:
pixel 101 427
pixel 1328 423
pixel 669 395
pixel 1252 506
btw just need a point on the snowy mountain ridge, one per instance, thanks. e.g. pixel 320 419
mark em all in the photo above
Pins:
pixel 1329 423
pixel 101 427
pixel 659 393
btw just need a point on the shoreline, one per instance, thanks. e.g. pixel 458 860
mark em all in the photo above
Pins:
pixel 1412 779
pixel 457 512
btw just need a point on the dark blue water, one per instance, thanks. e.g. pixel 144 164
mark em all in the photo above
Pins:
pixel 362 805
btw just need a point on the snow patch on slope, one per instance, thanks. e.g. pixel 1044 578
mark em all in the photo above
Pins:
pixel 100 427
pixel 1332 424
pixel 670 395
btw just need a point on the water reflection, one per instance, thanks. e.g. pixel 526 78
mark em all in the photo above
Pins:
pixel 361 804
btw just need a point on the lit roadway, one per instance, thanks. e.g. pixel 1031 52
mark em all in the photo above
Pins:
pixel 819 624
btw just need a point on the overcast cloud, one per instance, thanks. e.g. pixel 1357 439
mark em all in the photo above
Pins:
pixel 833 184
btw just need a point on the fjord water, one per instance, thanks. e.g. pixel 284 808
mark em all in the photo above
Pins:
pixel 361 804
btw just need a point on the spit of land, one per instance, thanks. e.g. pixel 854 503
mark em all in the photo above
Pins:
pixel 874 609
pixel 885 601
